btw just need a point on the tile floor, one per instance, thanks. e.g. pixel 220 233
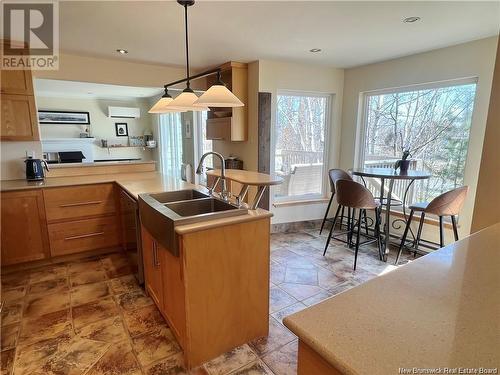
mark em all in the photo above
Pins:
pixel 91 317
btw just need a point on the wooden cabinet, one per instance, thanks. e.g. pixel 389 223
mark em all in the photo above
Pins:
pixel 152 268
pixel 230 124
pixel 24 227
pixel 83 235
pixel 19 118
pixel 16 82
pixel 79 201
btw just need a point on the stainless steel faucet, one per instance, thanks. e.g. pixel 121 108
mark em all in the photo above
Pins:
pixel 224 194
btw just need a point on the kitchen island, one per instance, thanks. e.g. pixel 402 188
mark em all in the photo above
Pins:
pixel 439 311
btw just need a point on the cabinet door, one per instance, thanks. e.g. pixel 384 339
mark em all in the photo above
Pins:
pixel 19 118
pixel 17 82
pixel 152 270
pixel 24 227
pixel 174 293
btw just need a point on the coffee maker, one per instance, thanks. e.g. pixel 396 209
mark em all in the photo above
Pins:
pixel 34 169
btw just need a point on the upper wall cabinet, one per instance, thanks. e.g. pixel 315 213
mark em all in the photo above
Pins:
pixel 230 124
pixel 19 120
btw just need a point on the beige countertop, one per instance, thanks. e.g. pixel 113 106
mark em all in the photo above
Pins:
pixel 248 177
pixel 442 310
pixel 100 163
pixel 135 184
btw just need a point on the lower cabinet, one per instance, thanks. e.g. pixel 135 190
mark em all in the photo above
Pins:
pixel 152 268
pixel 24 227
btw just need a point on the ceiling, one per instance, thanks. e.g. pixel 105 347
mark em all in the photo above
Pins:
pixel 349 33
pixel 73 89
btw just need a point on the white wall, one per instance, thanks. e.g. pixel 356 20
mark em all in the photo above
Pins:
pixel 473 59
pixel 275 76
pixel 101 126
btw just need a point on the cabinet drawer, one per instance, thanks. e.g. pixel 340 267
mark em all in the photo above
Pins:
pixel 79 201
pixel 83 235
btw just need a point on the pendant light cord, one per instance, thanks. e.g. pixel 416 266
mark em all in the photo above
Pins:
pixel 188 86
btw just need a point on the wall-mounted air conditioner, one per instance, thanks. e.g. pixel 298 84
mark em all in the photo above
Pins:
pixel 124 112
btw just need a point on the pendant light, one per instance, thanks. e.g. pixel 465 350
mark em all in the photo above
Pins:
pixel 218 96
pixel 161 105
pixel 185 100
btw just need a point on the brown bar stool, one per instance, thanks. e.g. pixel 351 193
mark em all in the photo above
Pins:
pixel 335 175
pixel 447 204
pixel 355 196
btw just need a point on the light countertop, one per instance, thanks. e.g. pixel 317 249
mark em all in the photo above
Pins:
pixel 442 310
pixel 135 184
pixel 248 177
pixel 100 163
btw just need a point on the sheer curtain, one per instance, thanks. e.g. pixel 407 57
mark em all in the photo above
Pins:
pixel 170 145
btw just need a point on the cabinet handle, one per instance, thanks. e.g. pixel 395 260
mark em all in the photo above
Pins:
pixel 83 236
pixel 157 261
pixel 80 204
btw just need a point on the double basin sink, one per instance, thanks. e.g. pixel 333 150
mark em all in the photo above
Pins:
pixel 160 213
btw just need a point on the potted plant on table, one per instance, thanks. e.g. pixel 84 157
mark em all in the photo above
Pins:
pixel 403 163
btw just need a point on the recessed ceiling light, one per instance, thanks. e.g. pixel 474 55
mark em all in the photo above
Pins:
pixel 411 19
pixel 315 50
pixel 122 51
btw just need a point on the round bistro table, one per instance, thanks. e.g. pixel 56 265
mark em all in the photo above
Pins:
pixel 389 174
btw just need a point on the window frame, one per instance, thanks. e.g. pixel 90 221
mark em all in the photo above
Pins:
pixel 328 120
pixel 359 148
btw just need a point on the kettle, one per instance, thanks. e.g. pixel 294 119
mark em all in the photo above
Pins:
pixel 34 169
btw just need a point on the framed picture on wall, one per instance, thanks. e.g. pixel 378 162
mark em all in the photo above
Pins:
pixel 121 129
pixel 63 117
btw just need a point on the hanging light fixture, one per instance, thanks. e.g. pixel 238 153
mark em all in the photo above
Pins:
pixel 216 96
pixel 161 105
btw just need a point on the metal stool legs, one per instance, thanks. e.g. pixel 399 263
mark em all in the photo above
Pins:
pixel 332 229
pixel 403 240
pixel 326 213
pixel 455 229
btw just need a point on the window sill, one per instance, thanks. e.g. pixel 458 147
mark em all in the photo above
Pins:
pixel 302 202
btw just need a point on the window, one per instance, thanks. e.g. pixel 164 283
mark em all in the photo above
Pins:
pixel 170 144
pixel 300 150
pixel 433 123
pixel 203 144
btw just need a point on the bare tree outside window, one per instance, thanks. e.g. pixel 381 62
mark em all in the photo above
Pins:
pixel 300 144
pixel 434 124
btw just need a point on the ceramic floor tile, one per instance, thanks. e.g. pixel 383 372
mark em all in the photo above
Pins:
pixel 44 326
pixel 7 360
pixel 87 277
pixel 133 300
pixel 85 266
pixel 155 345
pixel 93 311
pixel 296 307
pixel 117 265
pixel 327 279
pixel 279 299
pixel 89 292
pixel 49 286
pixel 306 276
pixel 124 284
pixel 12 312
pixel 173 365
pixel 255 368
pixel 317 298
pixel 277 272
pixel 284 360
pixel 118 359
pixel 48 273
pixel 143 320
pixel 31 357
pixel 77 357
pixel 278 336
pixel 13 294
pixel 343 287
pixel 300 291
pixel 39 305
pixel 109 330
pixel 9 334
pixel 231 361
pixel 14 280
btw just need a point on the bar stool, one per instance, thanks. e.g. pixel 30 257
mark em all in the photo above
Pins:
pixel 447 204
pixel 335 175
pixel 355 196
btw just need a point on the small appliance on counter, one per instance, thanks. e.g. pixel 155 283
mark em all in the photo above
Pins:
pixel 71 156
pixel 232 162
pixel 34 169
